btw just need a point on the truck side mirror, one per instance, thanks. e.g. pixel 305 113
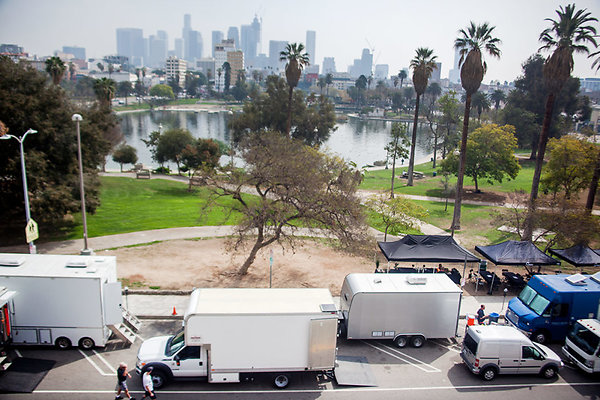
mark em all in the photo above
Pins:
pixel 177 359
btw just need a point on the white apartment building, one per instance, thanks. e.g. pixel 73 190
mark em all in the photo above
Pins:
pixel 175 69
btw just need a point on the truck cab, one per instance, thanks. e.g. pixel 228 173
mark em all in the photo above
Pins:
pixel 171 359
pixel 549 305
pixel 582 345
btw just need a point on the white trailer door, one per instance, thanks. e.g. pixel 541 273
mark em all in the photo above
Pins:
pixel 111 301
pixel 321 351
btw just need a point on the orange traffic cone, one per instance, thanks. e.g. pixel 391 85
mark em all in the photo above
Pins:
pixel 174 311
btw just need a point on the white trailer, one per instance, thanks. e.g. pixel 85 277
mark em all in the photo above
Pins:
pixel 405 308
pixel 231 334
pixel 63 300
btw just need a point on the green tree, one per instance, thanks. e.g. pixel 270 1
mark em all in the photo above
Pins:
pixel 470 43
pixel 490 155
pixel 125 154
pixel 397 214
pixel 26 101
pixel 568 34
pixel 402 75
pixel 449 119
pixel 321 83
pixel 163 91
pixel 397 148
pixel 568 168
pixel 313 119
pixel 422 65
pixel 105 90
pixel 296 61
pixel 170 145
pixel 227 79
pixel 498 96
pixel 480 102
pixel 201 155
pixel 55 67
pixel 294 185
pixel 328 81
pixel 124 89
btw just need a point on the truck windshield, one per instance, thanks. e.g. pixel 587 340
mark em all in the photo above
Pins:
pixel 583 338
pixel 532 299
pixel 175 343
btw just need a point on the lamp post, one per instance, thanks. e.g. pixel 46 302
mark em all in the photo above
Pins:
pixel 24 176
pixel 86 251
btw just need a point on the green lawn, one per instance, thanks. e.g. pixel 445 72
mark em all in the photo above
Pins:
pixel 432 186
pixel 129 205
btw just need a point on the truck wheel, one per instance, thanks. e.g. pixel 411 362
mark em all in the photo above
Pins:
pixel 540 337
pixel 488 374
pixel 63 343
pixel 401 341
pixel 281 381
pixel 417 341
pixel 87 343
pixel 159 379
pixel 549 372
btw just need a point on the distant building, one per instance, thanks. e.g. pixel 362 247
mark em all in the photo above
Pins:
pixel 589 84
pixel 436 74
pixel 312 69
pixel 157 49
pixel 362 66
pixel 381 72
pixel 236 62
pixel 175 70
pixel 117 76
pixel 454 73
pixel 130 44
pixel 275 49
pixel 179 48
pixel 234 33
pixel 342 81
pixel 221 57
pixel 329 65
pixel 250 40
pixel 217 37
pixel 207 67
pixel 78 52
pixel 310 46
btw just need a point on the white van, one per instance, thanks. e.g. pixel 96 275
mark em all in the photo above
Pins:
pixel 489 350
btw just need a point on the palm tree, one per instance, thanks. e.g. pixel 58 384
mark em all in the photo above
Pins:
pixel 296 61
pixel 321 84
pixel 402 75
pixel 56 68
pixel 480 101
pixel 470 43
pixel 328 81
pixel 105 90
pixel 568 34
pixel 396 80
pixel 219 73
pixel 497 97
pixel 111 69
pixel 422 65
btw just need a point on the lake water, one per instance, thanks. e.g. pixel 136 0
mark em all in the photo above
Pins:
pixel 360 141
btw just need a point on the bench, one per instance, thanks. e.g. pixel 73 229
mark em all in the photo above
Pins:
pixel 142 174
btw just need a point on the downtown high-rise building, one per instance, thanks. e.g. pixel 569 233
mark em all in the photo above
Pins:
pixel 217 37
pixel 130 44
pixel 158 46
pixel 250 40
pixel 275 49
pixel 192 41
pixel 363 65
pixel 454 73
pixel 234 33
pixel 310 46
pixel 381 72
pixel 329 65
pixel 78 52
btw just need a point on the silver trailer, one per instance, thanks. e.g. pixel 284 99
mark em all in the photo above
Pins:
pixel 405 308
pixel 63 300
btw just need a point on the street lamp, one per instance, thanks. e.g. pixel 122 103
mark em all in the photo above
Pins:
pixel 86 251
pixel 24 176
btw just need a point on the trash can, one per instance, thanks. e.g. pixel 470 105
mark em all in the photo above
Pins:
pixel 434 173
pixel 470 319
pixel 493 318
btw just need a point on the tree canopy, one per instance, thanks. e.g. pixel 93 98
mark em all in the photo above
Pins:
pixel 161 90
pixel 125 154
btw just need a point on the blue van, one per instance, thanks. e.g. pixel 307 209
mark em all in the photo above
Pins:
pixel 550 304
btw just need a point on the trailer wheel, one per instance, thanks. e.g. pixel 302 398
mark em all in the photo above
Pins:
pixel 281 381
pixel 87 343
pixel 62 343
pixel 417 341
pixel 401 341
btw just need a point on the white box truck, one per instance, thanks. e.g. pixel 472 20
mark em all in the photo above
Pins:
pixel 63 300
pixel 405 308
pixel 582 345
pixel 232 334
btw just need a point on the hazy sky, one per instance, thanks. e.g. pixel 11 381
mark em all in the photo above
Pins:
pixel 344 27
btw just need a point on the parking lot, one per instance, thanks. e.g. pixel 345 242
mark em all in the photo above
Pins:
pixel 435 369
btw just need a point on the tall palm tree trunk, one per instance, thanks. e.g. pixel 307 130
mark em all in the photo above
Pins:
pixel 539 161
pixel 589 205
pixel 289 116
pixel 461 167
pixel 413 143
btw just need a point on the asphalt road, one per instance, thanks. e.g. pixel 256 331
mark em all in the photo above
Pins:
pixel 434 371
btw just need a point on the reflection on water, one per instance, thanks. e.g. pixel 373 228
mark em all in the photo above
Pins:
pixel 360 141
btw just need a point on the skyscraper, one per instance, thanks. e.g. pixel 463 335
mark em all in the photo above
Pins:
pixel 310 46
pixel 250 40
pixel 436 73
pixel 234 33
pixel 381 72
pixel 329 65
pixel 157 49
pixel 217 37
pixel 454 73
pixel 192 41
pixel 275 48
pixel 130 44
pixel 78 52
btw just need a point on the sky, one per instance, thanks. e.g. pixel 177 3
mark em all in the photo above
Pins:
pixel 394 29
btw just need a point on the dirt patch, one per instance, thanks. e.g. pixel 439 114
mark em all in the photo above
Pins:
pixel 185 264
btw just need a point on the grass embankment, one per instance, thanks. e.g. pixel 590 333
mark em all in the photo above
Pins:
pixel 134 105
pixel 130 205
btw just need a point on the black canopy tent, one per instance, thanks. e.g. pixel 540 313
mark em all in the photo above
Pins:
pixel 579 255
pixel 426 248
pixel 512 252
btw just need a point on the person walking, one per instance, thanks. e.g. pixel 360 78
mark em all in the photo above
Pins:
pixel 148 384
pixel 122 375
pixel 481 317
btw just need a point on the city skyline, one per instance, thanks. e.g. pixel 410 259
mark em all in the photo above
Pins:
pixel 343 28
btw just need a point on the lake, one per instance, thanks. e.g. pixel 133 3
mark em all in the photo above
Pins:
pixel 360 141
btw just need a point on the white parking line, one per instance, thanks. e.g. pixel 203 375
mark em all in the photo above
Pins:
pixel 18 353
pixel 110 367
pixel 96 365
pixel 406 358
pixel 453 347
